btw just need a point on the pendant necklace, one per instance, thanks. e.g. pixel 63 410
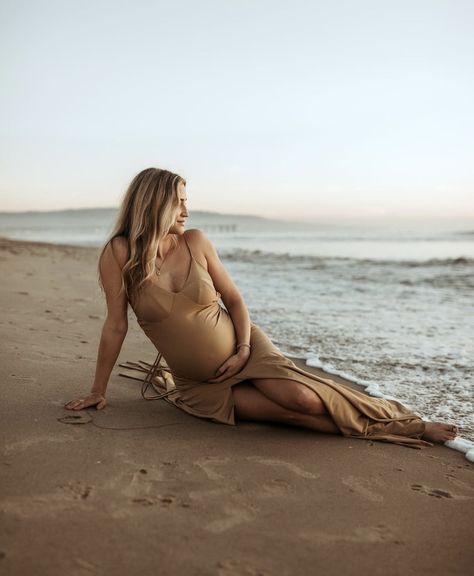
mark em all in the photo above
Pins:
pixel 158 269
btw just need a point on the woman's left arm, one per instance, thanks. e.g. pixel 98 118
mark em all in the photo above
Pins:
pixel 232 300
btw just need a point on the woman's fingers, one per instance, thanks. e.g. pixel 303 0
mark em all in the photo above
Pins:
pixel 223 368
pixel 218 378
pixel 230 367
pixel 73 404
pixel 81 403
pixel 221 371
pixel 226 374
pixel 101 404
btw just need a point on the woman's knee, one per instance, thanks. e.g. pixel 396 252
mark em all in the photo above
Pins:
pixel 292 395
pixel 251 404
pixel 305 400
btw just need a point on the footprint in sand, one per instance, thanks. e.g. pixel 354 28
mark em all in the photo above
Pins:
pixel 361 535
pixel 438 493
pixel 164 500
pixel 452 479
pixel 364 487
pixel 144 488
pixel 63 498
pixel 21 445
pixel 275 489
pixel 78 490
pixel 288 465
pixel 237 511
pixel 233 516
pixel 142 483
pixel 209 464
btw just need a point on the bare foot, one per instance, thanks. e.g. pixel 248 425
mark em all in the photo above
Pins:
pixel 438 432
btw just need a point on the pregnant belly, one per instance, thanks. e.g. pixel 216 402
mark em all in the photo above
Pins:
pixel 195 345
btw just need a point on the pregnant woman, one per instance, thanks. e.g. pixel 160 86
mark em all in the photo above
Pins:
pixel 223 367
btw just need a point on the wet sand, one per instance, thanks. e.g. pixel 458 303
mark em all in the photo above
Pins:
pixel 142 488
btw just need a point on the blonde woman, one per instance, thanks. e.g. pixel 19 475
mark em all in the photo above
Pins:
pixel 223 367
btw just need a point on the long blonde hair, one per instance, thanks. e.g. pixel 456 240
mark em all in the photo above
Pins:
pixel 145 217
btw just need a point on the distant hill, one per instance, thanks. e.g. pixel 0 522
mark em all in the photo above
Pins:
pixel 105 211
pixel 91 226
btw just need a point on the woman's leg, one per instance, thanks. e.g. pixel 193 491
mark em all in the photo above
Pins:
pixel 291 394
pixel 251 404
pixel 297 397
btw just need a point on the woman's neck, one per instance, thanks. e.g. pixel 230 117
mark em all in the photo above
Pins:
pixel 166 244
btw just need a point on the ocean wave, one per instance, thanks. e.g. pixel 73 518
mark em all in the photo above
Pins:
pixel 316 262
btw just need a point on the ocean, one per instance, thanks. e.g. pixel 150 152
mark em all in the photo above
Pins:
pixel 389 306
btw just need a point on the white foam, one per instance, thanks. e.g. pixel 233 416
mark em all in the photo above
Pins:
pixel 314 362
pixel 461 445
pixel 374 390
pixel 470 455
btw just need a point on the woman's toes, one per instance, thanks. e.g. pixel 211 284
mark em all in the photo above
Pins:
pixel 438 432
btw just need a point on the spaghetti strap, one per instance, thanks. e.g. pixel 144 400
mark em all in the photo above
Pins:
pixel 189 249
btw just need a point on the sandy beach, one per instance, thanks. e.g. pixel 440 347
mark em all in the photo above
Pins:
pixel 143 488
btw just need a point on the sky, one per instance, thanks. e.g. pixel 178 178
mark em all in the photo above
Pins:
pixel 335 109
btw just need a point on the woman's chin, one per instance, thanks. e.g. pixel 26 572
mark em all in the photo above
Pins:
pixel 178 229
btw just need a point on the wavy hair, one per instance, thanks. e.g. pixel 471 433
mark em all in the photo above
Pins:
pixel 145 216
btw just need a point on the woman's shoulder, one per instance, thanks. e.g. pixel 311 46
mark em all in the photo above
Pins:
pixel 198 241
pixel 196 237
pixel 117 248
pixel 199 244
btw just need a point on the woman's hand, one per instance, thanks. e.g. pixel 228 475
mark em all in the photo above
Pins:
pixel 93 399
pixel 232 365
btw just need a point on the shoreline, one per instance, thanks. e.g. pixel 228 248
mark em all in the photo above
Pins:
pixel 157 487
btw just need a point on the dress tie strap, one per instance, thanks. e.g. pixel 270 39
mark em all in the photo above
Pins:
pixel 157 370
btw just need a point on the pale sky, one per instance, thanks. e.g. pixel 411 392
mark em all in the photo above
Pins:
pixel 297 109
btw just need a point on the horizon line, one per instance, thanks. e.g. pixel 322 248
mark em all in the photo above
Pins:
pixel 365 218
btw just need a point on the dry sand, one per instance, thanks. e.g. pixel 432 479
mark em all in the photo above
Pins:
pixel 142 488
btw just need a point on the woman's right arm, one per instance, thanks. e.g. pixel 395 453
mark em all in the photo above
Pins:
pixel 115 326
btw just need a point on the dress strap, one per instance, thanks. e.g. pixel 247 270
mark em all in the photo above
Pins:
pixel 189 249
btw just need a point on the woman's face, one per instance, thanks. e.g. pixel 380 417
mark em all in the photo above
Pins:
pixel 181 211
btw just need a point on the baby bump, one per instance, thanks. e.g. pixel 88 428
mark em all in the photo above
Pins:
pixel 194 346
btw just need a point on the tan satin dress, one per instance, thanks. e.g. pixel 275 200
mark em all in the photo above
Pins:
pixel 195 335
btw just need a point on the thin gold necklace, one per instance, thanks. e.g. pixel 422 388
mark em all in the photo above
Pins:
pixel 158 269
